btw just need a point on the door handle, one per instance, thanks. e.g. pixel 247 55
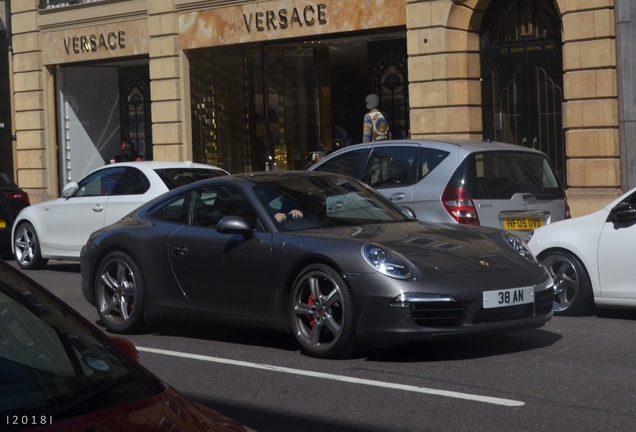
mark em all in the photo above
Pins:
pixel 180 250
pixel 97 208
pixel 397 196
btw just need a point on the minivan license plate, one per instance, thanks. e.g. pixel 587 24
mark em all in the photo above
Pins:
pixel 509 297
pixel 522 223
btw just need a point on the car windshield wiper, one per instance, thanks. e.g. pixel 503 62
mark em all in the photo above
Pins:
pixel 105 386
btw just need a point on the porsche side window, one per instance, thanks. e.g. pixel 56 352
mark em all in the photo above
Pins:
pixel 211 204
pixel 175 210
pixel 100 183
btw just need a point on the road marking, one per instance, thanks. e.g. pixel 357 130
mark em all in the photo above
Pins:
pixel 341 378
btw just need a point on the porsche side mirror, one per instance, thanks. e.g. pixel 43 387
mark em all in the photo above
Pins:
pixel 234 225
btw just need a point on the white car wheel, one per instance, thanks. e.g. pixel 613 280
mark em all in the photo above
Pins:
pixel 27 248
pixel 573 290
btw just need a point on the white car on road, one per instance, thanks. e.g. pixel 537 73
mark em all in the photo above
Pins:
pixel 59 228
pixel 591 257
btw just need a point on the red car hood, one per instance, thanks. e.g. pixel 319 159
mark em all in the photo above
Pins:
pixel 165 411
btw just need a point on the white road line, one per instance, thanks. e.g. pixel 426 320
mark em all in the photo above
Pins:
pixel 382 384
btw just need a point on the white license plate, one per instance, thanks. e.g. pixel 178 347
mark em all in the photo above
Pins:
pixel 509 297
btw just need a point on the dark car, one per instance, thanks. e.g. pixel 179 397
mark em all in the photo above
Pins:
pixel 474 182
pixel 12 200
pixel 320 255
pixel 61 373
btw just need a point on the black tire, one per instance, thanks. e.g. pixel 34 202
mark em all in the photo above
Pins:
pixel 322 313
pixel 120 294
pixel 26 246
pixel 573 289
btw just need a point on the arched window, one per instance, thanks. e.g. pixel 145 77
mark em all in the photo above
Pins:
pixel 522 77
pixel 136 124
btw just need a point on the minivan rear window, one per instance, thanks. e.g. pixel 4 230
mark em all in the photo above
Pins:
pixel 500 175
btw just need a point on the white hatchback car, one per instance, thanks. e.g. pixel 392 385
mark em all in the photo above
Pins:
pixel 59 228
pixel 590 257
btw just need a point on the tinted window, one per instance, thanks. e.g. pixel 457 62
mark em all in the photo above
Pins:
pixel 493 175
pixel 175 177
pixel 206 206
pixel 342 164
pixel 100 183
pixel 429 160
pixel 131 182
pixel 175 210
pixel 390 166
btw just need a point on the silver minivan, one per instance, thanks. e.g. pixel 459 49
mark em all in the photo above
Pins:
pixel 459 181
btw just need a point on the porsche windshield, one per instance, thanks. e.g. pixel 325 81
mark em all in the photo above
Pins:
pixel 328 201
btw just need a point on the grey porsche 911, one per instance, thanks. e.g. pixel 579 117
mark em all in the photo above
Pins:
pixel 318 255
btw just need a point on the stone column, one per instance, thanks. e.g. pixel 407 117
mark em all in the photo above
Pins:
pixel 590 110
pixel 29 78
pixel 166 86
pixel 444 85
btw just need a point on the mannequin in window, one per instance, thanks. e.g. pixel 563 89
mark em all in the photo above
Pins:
pixel 375 127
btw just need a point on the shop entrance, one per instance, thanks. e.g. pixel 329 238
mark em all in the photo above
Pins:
pixel 522 77
pixel 277 106
pixel 97 125
pixel 287 102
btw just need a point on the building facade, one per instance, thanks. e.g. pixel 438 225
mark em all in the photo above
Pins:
pixel 264 85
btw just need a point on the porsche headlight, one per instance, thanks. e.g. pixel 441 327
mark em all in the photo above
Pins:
pixel 386 261
pixel 518 245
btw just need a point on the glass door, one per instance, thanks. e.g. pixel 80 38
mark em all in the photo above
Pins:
pixel 287 100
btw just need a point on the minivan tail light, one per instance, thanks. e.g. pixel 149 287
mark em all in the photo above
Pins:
pixel 568 215
pixel 459 204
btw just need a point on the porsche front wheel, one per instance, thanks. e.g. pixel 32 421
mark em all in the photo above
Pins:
pixel 322 313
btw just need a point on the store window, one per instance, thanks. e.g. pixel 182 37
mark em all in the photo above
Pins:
pixel 278 106
pixel 220 109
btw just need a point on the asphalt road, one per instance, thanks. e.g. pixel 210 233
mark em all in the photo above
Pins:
pixel 574 374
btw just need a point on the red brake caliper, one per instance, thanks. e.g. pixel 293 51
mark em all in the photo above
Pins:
pixel 310 301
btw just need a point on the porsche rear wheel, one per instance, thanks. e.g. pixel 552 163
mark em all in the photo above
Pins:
pixel 26 246
pixel 573 289
pixel 322 313
pixel 120 293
